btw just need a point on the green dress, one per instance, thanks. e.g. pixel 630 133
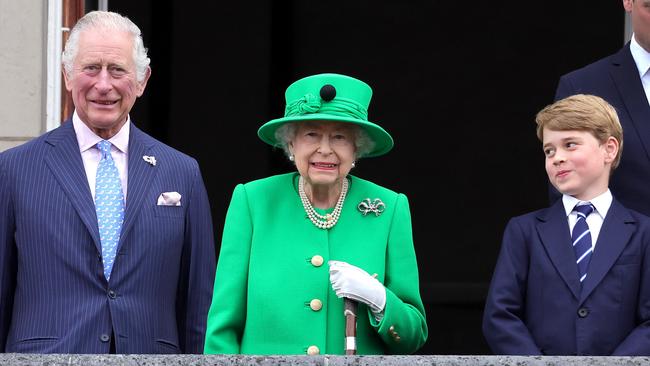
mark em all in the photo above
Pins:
pixel 270 280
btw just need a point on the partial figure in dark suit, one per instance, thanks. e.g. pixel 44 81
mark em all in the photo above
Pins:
pixel 87 266
pixel 574 278
pixel 623 80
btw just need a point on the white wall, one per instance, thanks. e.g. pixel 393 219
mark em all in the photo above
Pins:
pixel 23 26
pixel 628 28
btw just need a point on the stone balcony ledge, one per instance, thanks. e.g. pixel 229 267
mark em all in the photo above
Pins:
pixel 237 360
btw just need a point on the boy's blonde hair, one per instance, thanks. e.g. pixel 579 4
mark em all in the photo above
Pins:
pixel 582 112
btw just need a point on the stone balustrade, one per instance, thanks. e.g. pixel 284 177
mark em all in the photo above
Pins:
pixel 15 359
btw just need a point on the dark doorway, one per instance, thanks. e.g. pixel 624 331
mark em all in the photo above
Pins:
pixel 456 84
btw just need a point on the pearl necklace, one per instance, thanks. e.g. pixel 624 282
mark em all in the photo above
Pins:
pixel 326 221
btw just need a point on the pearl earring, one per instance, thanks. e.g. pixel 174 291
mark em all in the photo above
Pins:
pixel 354 163
pixel 292 158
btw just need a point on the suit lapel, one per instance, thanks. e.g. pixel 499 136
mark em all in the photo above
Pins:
pixel 626 78
pixel 64 161
pixel 612 239
pixel 553 230
pixel 141 174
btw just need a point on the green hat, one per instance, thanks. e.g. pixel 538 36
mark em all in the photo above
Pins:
pixel 329 97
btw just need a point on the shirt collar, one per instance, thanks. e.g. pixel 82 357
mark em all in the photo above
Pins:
pixel 641 57
pixel 602 203
pixel 87 139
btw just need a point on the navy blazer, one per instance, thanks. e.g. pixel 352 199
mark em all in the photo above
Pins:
pixel 536 305
pixel 616 79
pixel 54 297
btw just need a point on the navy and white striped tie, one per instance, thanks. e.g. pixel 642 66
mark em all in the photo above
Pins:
pixel 581 239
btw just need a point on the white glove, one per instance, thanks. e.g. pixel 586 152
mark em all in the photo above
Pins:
pixel 355 283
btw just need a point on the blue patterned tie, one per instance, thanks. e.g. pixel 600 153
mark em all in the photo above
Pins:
pixel 109 204
pixel 581 239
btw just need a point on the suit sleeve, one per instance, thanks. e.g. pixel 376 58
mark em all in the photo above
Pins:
pixel 565 88
pixel 198 265
pixel 227 316
pixel 404 315
pixel 503 318
pixel 7 255
pixel 637 343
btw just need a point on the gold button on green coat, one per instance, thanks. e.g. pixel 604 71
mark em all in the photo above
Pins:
pixel 313 351
pixel 264 285
pixel 316 304
pixel 317 261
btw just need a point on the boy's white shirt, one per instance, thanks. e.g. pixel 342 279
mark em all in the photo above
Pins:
pixel 602 203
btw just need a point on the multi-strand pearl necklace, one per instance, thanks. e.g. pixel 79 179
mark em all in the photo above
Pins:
pixel 326 221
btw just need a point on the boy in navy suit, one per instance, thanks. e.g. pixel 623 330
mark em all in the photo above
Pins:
pixel 574 278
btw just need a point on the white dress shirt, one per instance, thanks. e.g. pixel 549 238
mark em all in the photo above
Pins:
pixel 642 59
pixel 91 155
pixel 602 204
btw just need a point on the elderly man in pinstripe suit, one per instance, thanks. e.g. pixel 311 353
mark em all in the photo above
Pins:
pixel 106 242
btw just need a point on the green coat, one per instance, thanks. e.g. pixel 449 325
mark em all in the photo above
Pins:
pixel 266 278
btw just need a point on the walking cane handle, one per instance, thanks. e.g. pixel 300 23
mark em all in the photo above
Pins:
pixel 350 326
pixel 350 313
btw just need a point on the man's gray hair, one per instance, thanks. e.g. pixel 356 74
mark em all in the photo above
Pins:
pixel 109 21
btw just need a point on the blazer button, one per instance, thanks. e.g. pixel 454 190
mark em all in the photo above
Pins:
pixel 316 304
pixel 112 295
pixel 104 338
pixel 317 261
pixel 583 312
pixel 313 351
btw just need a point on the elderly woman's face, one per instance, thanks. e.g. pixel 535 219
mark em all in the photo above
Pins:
pixel 323 151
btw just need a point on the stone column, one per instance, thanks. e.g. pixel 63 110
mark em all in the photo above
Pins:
pixel 23 27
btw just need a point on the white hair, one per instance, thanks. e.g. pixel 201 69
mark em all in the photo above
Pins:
pixel 109 21
pixel 287 132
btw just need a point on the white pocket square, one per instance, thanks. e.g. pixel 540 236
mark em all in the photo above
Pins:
pixel 169 199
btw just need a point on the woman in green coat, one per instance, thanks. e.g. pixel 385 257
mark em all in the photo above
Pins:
pixel 295 244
